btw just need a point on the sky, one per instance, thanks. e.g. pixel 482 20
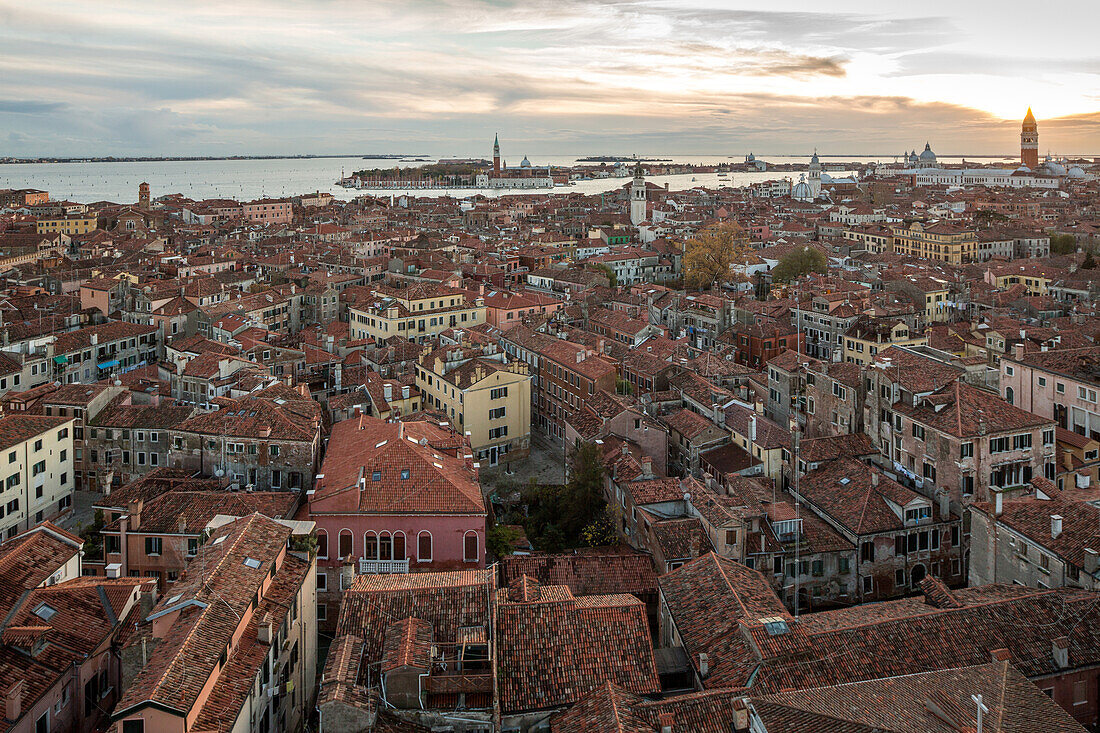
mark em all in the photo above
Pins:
pixel 150 77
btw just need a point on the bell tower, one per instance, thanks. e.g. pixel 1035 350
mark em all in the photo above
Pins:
pixel 143 196
pixel 637 198
pixel 1029 141
pixel 496 154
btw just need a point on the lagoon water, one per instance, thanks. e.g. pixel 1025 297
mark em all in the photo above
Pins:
pixel 251 179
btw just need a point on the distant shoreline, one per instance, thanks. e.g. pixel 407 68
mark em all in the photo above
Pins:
pixel 200 158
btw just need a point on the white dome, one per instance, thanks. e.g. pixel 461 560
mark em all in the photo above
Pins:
pixel 525 163
pixel 928 156
pixel 1023 169
pixel 1075 172
pixel 802 191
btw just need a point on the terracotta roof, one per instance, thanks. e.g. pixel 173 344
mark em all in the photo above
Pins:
pixel 552 648
pixel 588 573
pixel 415 466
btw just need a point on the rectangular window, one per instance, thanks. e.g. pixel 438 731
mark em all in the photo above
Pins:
pixel 424 547
pixel 497 413
pixel 1021 441
pixel 322 581
pixel 152 545
pixel 470 548
pixel 966 450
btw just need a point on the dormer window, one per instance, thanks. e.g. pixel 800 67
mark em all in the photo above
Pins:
pixel 918 514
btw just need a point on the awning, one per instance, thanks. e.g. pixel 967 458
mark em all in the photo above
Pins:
pixel 61 360
pixel 108 364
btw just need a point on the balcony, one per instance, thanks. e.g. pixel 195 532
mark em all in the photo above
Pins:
pixel 383 567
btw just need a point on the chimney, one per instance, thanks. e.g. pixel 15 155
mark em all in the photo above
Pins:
pixel 998 504
pixel 135 507
pixel 13 701
pixel 264 631
pixel 647 466
pixel 704 665
pixel 625 450
pixel 387 391
pixel 666 721
pixel 181 523
pixel 114 570
pixel 1000 655
pixel 752 428
pixel 1055 526
pixel 405 392
pixel 1018 351
pixel 1060 649
pixel 874 478
pixel 347 573
pixel 740 714
pixel 1091 561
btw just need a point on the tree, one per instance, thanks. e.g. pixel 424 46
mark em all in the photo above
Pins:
pixel 1063 244
pixel 709 256
pixel 584 492
pixel 1088 263
pixel 798 263
pixel 612 278
pixel 499 540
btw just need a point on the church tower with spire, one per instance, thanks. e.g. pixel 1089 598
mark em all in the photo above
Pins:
pixel 496 155
pixel 814 178
pixel 1029 142
pixel 637 198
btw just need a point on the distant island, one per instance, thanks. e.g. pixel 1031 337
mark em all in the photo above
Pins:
pixel 195 158
pixel 621 159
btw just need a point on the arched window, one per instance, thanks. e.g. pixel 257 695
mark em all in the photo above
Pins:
pixel 470 546
pixel 1009 394
pixel 347 543
pixel 322 544
pixel 370 546
pixel 424 546
pixel 399 546
pixel 917 574
pixel 385 546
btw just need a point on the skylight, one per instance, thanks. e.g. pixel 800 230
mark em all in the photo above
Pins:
pixel 219 540
pixel 45 611
pixel 172 601
pixel 252 563
pixel 775 626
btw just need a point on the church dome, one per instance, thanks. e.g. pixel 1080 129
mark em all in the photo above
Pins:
pixel 1075 172
pixel 1052 168
pixel 1023 169
pixel 525 163
pixel 802 191
pixel 927 156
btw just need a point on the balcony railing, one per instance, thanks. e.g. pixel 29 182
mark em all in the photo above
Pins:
pixel 383 567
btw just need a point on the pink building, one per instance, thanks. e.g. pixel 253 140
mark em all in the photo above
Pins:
pixel 268 211
pixel 394 498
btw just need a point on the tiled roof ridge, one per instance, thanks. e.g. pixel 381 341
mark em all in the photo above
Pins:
pixel 824 716
pixel 733 591
pixel 934 611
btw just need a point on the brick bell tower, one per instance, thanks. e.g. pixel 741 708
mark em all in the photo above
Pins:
pixel 143 196
pixel 1029 141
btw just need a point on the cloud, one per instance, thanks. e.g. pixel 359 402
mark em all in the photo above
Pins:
pixel 29 107
pixel 270 76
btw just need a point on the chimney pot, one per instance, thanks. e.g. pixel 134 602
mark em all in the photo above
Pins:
pixel 1055 526
pixel 998 504
pixel 1060 649
pixel 704 665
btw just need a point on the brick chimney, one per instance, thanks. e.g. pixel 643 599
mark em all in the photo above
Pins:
pixel 666 721
pixel 13 701
pixel 134 510
pixel 181 523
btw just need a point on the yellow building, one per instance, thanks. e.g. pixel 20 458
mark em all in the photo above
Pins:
pixel 418 313
pixel 485 396
pixel 1036 282
pixel 935 241
pixel 865 338
pixel 79 224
